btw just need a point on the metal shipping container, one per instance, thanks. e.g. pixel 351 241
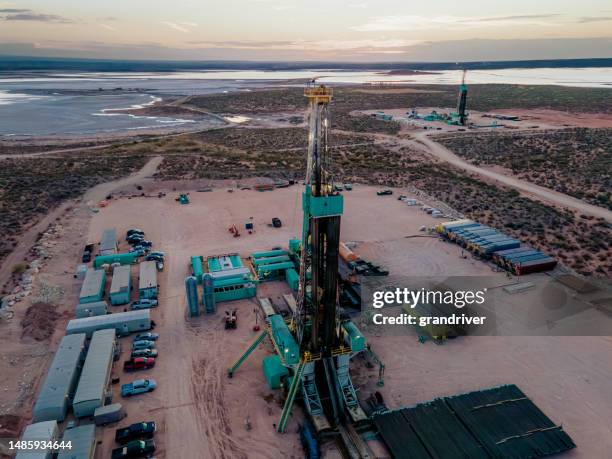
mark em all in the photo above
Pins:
pixel 91 391
pixel 57 389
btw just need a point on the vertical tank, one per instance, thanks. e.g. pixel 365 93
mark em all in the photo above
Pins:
pixel 191 288
pixel 208 295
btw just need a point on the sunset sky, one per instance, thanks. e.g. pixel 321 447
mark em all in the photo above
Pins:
pixel 353 30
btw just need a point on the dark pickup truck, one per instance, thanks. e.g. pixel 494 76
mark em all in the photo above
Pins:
pixel 136 448
pixel 135 431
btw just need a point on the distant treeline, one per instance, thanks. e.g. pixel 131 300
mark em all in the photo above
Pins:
pixel 24 63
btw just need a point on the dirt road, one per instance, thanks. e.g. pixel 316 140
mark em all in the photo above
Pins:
pixel 545 194
pixel 28 238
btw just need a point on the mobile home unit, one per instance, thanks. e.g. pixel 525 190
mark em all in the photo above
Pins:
pixel 46 431
pixel 147 283
pixel 121 285
pixel 93 286
pixel 91 391
pixel 61 380
pixel 123 323
pixel 99 308
pixel 108 243
pixel 82 442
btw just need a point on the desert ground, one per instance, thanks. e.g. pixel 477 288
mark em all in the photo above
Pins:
pixel 51 210
pixel 202 413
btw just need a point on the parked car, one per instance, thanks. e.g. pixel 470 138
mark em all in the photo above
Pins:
pixel 133 231
pixel 134 238
pixel 139 363
pixel 135 431
pixel 145 303
pixel 145 243
pixel 151 257
pixel 136 448
pixel 143 344
pixel 146 336
pixel 348 186
pixel 276 223
pixel 138 251
pixel 140 386
pixel 158 253
pixel 86 257
pixel 144 353
pixel 385 192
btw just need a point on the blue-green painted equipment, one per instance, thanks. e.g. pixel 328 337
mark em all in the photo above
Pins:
pixel 354 338
pixel 268 253
pixel 284 340
pixel 121 258
pixel 274 371
pixel 293 279
pixel 197 268
pixel 269 260
pixel 274 270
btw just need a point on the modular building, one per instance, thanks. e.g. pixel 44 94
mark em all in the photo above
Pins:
pixel 57 389
pixel 91 391
pixel 147 282
pixel 93 286
pixel 82 442
pixel 121 285
pixel 98 308
pixel 127 258
pixel 46 431
pixel 108 243
pixel 123 323
pixel 231 280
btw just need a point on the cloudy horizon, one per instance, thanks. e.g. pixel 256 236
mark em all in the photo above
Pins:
pixel 358 31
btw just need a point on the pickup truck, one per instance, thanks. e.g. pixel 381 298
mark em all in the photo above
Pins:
pixel 146 336
pixel 136 448
pixel 144 353
pixel 145 303
pixel 143 344
pixel 385 192
pixel 135 431
pixel 139 363
pixel 140 386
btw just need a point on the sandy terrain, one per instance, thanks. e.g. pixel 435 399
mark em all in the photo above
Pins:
pixel 201 413
pixel 545 194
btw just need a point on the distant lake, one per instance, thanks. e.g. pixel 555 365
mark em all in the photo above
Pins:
pixel 68 103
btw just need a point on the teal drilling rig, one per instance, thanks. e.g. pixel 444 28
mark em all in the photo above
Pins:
pixel 316 345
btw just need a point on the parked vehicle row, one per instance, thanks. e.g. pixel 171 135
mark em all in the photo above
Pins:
pixel 136 440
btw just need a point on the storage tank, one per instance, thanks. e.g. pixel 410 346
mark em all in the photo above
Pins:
pixel 191 289
pixel 196 268
pixel 208 295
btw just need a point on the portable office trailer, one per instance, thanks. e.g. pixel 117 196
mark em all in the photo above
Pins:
pixel 147 282
pixel 46 431
pixel 99 308
pixel 123 323
pixel 121 285
pixel 61 380
pixel 122 258
pixel 233 289
pixel 93 286
pixel 91 391
pixel 82 442
pixel 108 243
